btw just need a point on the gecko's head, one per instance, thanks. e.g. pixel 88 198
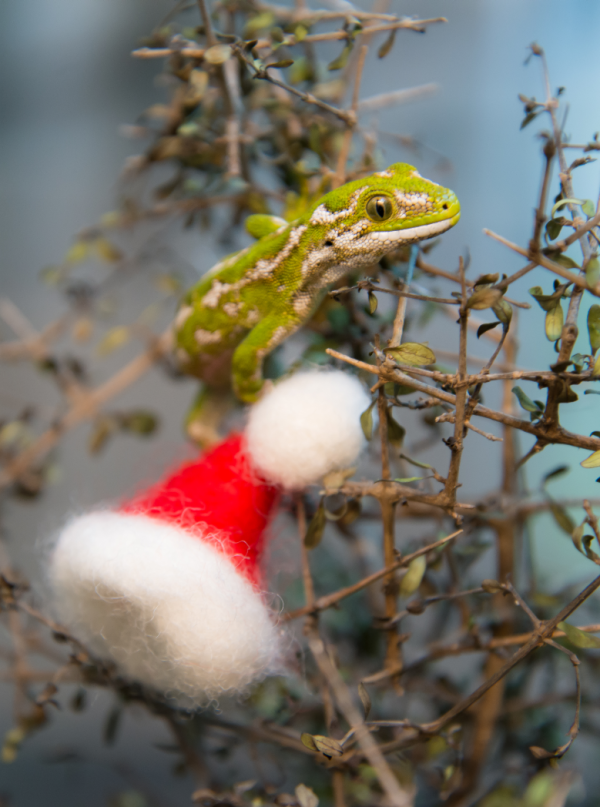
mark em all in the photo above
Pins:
pixel 374 215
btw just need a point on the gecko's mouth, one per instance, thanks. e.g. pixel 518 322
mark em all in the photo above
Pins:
pixel 417 233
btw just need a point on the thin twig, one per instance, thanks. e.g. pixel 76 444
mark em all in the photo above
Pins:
pixel 86 408
pixel 541 260
pixel 551 433
pixel 322 603
pixel 390 785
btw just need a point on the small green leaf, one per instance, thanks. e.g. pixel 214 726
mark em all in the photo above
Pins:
pixel 562 518
pixel 583 543
pixel 323 745
pixel 484 298
pixel 589 208
pixel 503 310
pixel 112 725
pixel 217 54
pixel 106 251
pixel 562 259
pixel 540 753
pixel 335 506
pixel 139 421
pixel 593 461
pixel 372 302
pixel 553 228
pixel 327 746
pixel 342 59
pixel 300 32
pixel 592 272
pixel 492 586
pixel 555 319
pixel 79 700
pixel 103 428
pixel 366 421
pixel 307 740
pixel 387 45
pixel 12 742
pixel 526 402
pixel 567 262
pixel 314 533
pixel 528 118
pixel 487 326
pixel 412 353
pixel 306 797
pixel 486 280
pixel 78 252
pixel 404 480
pixel 578 361
pixel 562 469
pixel 593 324
pixel 353 511
pixel 364 699
pixel 113 340
pixel 578 637
pixel 281 63
pixel 413 577
pixel 258 23
pixel 53 275
pixel 548 301
pixel 563 202
pixel 395 431
pixel 416 463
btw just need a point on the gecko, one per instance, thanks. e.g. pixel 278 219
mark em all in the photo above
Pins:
pixel 253 300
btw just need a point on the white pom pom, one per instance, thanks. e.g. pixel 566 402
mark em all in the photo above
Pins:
pixel 307 426
pixel 170 609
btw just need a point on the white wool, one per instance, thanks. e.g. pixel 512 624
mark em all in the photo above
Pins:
pixel 307 426
pixel 168 608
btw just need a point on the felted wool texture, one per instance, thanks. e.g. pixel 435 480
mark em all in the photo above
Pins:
pixel 307 426
pixel 220 489
pixel 170 609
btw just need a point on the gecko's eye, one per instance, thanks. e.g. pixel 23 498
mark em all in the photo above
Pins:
pixel 379 208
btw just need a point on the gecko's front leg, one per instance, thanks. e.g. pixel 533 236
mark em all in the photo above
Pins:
pixel 247 364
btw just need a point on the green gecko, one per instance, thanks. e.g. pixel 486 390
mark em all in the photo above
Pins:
pixel 249 303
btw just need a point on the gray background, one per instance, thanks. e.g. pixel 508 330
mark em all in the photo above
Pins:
pixel 66 85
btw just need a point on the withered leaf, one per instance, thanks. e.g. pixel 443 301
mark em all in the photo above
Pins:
pixel 364 699
pixel 366 421
pixel 484 298
pixel 413 577
pixel 411 353
pixel 555 319
pixel 314 533
pixel 579 637
pixel 306 796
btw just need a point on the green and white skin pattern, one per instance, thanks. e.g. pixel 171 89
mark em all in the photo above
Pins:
pixel 252 301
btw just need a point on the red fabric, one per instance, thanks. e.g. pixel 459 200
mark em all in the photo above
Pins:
pixel 221 491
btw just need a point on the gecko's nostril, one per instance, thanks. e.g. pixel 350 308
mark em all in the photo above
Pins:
pixel 328 243
pixel 445 206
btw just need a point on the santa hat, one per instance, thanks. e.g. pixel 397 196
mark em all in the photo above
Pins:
pixel 167 586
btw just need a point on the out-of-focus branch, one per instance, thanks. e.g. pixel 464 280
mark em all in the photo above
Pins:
pixel 86 408
pixel 554 433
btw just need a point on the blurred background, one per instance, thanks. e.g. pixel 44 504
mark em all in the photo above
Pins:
pixel 68 86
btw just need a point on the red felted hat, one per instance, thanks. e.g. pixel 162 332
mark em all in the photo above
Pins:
pixel 168 585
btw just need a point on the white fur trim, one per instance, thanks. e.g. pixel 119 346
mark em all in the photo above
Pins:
pixel 170 609
pixel 307 426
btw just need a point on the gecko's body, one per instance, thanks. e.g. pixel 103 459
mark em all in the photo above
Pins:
pixel 253 300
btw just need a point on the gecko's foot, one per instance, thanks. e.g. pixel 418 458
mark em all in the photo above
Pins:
pixel 204 419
